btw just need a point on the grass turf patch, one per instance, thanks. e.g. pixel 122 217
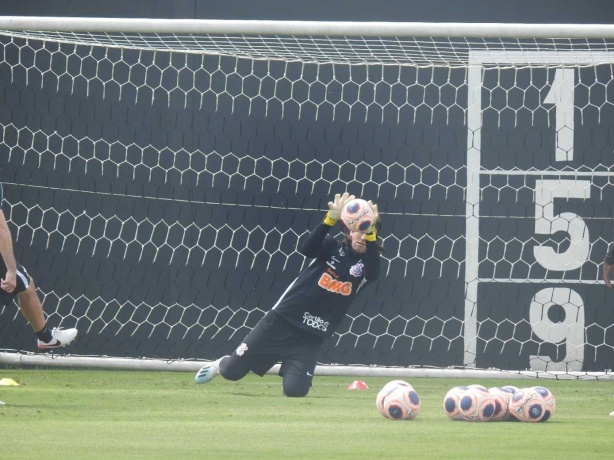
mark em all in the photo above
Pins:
pixel 122 414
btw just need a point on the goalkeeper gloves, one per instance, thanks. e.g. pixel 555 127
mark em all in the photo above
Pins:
pixel 335 207
pixel 371 234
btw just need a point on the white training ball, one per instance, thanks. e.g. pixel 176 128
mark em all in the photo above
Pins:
pixel 357 215
pixel 398 400
pixel 451 402
pixel 381 395
pixel 527 405
pixel 385 391
pixel 393 383
pixel 511 388
pixel 549 401
pixel 476 404
pixel 502 397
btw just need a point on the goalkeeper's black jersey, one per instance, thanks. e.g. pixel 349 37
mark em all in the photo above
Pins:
pixel 318 299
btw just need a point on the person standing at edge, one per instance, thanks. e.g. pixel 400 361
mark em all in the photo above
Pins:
pixel 16 282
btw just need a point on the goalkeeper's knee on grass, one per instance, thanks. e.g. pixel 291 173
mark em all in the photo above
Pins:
pixel 295 386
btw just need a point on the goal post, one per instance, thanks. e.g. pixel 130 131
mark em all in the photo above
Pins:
pixel 160 173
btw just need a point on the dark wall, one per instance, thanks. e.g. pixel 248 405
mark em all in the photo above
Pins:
pixel 525 11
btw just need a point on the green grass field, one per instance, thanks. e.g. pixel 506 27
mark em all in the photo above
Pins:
pixel 76 414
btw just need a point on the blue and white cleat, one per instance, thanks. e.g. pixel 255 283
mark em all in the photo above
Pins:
pixel 208 372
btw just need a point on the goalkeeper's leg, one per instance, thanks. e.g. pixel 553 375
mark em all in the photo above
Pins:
pixel 256 353
pixel 298 367
pixel 234 367
pixel 296 386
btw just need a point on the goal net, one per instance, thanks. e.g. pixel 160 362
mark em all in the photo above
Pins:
pixel 159 176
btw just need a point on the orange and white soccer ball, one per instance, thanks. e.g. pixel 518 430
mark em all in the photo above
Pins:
pixel 357 215
pixel 549 401
pixel 527 405
pixel 451 402
pixel 398 400
pixel 511 388
pixel 381 395
pixel 502 397
pixel 476 404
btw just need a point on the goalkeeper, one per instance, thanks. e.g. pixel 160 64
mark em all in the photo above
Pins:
pixel 311 308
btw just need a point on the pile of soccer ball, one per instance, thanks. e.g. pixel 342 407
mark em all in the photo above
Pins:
pixel 398 401
pixel 475 403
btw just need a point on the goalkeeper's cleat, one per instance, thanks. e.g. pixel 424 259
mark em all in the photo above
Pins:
pixel 208 371
pixel 59 338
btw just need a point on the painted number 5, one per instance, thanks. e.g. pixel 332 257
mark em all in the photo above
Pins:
pixel 546 223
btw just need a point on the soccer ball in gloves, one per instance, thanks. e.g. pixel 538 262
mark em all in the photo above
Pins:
pixel 358 215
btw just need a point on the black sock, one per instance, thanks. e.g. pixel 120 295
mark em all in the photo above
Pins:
pixel 44 334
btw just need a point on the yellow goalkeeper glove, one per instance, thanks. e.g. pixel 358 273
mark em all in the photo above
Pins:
pixel 371 234
pixel 335 207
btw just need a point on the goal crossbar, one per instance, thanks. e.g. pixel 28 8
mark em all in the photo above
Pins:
pixel 306 28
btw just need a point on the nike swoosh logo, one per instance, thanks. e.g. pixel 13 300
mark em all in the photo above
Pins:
pixel 57 343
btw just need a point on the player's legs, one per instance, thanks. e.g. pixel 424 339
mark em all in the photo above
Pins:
pixel 256 353
pixel 31 307
pixel 297 368
pixel 296 386
pixel 272 340
pixel 233 368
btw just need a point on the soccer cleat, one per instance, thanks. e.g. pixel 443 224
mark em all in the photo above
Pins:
pixel 208 372
pixel 59 338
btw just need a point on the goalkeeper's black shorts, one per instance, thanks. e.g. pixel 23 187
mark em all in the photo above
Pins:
pixel 275 340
